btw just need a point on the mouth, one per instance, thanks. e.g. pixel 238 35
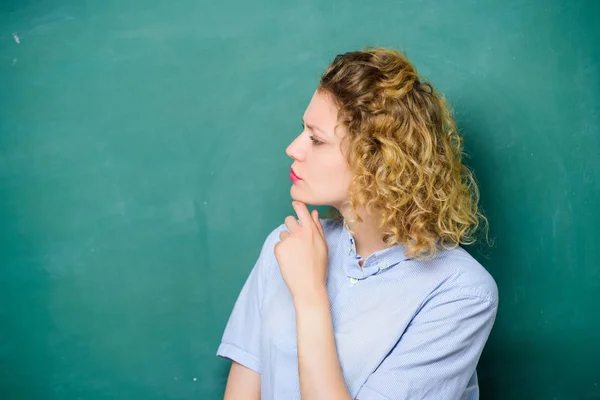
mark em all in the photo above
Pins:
pixel 293 176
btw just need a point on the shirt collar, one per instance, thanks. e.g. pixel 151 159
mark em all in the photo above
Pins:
pixel 375 263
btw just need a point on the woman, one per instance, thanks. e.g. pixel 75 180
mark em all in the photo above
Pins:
pixel 378 302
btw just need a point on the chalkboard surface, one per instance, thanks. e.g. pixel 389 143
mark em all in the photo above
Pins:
pixel 142 165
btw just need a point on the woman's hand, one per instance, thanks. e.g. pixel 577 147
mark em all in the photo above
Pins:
pixel 302 254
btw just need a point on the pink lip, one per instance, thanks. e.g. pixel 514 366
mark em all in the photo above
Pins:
pixel 293 176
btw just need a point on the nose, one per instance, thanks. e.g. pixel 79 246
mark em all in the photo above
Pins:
pixel 295 150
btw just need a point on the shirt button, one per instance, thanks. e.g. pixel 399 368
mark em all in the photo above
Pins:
pixel 353 281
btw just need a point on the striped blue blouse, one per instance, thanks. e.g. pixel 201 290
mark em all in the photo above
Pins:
pixel 404 329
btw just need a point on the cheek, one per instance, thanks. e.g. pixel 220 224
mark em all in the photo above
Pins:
pixel 339 176
pixel 345 180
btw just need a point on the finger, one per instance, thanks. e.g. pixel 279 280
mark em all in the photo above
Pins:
pixel 283 235
pixel 315 215
pixel 303 214
pixel 292 224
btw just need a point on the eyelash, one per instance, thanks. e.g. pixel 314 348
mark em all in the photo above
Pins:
pixel 315 141
pixel 312 138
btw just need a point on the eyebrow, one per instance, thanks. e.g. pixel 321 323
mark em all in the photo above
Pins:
pixel 314 128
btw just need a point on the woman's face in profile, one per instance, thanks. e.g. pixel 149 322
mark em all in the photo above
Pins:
pixel 318 160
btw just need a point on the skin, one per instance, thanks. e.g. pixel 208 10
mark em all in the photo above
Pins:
pixel 320 161
pixel 321 164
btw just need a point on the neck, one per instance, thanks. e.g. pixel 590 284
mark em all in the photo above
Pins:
pixel 367 236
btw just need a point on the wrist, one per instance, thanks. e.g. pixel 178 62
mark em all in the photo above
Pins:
pixel 315 298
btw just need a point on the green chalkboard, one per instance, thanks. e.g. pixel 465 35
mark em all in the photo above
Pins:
pixel 142 164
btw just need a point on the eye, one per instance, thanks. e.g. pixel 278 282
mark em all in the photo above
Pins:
pixel 312 138
pixel 315 141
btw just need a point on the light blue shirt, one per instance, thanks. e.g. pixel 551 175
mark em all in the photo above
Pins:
pixel 404 329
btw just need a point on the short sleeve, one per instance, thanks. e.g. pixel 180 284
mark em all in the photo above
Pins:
pixel 242 335
pixel 437 355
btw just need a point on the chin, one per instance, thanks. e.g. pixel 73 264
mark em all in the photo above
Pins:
pixel 300 196
pixel 308 199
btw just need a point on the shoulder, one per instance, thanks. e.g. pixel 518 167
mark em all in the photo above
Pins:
pixel 466 276
pixel 267 251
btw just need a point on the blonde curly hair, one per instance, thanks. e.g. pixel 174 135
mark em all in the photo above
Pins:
pixel 405 151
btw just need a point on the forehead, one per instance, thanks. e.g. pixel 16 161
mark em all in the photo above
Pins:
pixel 321 107
pixel 322 112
